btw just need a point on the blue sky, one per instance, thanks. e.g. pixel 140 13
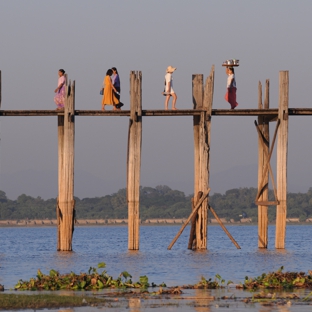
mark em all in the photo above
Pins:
pixel 88 37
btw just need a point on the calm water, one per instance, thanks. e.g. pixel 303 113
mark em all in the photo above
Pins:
pixel 24 250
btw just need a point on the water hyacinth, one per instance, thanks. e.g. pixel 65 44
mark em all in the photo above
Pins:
pixel 279 280
pixel 93 280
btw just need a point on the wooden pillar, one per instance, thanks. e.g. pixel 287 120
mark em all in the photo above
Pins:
pixel 282 147
pixel 134 160
pixel 60 134
pixel 66 203
pixel 263 172
pixel 202 99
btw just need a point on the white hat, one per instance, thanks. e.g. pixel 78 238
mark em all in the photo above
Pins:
pixel 170 69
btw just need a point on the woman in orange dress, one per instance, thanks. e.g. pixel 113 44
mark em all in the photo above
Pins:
pixel 109 97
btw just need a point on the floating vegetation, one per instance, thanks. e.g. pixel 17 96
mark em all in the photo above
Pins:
pixel 278 280
pixel 218 282
pixel 93 280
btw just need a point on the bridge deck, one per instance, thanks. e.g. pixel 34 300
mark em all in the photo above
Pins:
pixel 180 112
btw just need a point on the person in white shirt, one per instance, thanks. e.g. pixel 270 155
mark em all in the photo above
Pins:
pixel 168 92
pixel 230 95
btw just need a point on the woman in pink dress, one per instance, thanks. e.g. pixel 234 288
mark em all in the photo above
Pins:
pixel 230 95
pixel 59 97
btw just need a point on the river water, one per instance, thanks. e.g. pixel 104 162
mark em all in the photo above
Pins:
pixel 24 250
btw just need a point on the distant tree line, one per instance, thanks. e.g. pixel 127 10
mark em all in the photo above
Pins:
pixel 158 202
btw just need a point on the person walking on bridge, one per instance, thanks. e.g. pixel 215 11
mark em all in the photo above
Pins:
pixel 230 95
pixel 59 97
pixel 168 92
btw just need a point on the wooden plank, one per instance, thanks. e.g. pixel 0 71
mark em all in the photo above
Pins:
pixel 267 203
pixel 271 114
pixel 66 187
pixel 195 210
pixel 282 150
pixel 134 159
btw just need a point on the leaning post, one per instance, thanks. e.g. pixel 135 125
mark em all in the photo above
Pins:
pixel 66 202
pixel 282 149
pixel 134 160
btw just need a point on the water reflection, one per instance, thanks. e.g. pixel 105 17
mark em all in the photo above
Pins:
pixel 25 250
pixel 135 304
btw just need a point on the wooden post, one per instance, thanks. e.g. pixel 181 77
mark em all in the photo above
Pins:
pixel 134 159
pixel 202 99
pixel 193 213
pixel 192 239
pixel 263 173
pixel 282 146
pixel 60 130
pixel 66 203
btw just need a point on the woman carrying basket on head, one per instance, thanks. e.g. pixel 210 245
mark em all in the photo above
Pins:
pixel 230 95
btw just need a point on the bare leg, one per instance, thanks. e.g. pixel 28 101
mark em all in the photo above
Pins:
pixel 174 100
pixel 167 101
pixel 103 107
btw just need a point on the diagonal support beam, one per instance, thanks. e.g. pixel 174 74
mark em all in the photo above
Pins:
pixel 267 165
pixel 193 213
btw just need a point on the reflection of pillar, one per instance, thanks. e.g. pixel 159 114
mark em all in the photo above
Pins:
pixel 135 304
pixel 203 300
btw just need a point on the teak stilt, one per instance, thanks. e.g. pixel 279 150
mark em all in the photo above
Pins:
pixel 202 99
pixel 263 175
pixel 65 202
pixel 192 238
pixel 193 213
pixel 282 146
pixel 134 159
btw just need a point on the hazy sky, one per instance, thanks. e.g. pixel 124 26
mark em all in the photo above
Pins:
pixel 88 37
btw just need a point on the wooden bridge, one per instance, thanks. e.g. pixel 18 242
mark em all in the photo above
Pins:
pixel 202 113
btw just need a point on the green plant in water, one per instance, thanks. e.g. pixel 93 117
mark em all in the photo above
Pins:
pixel 93 280
pixel 278 279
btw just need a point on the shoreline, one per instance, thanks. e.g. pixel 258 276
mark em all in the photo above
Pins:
pixel 124 222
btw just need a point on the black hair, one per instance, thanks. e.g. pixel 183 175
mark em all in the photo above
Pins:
pixel 115 69
pixel 62 71
pixel 232 69
pixel 109 72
